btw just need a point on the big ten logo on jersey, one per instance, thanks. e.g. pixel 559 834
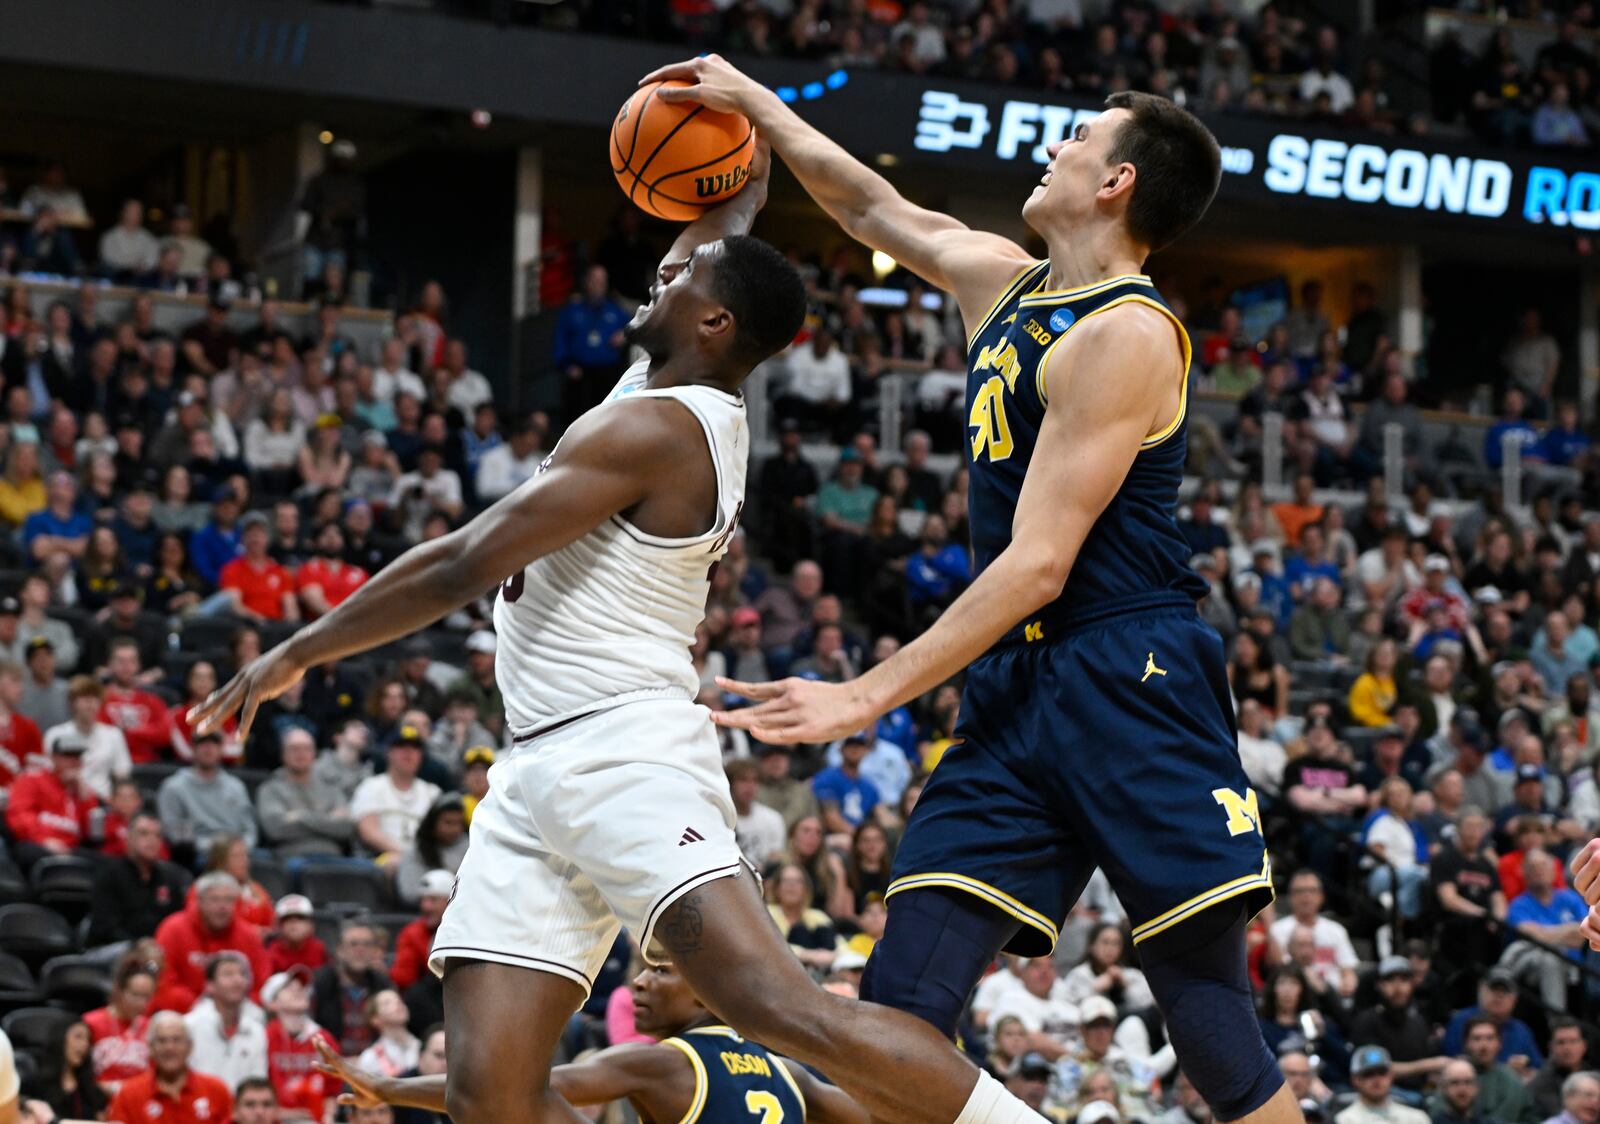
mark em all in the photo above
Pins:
pixel 740 1063
pixel 1244 812
pixel 991 432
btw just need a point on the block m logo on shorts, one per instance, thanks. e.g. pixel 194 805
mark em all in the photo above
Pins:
pixel 1244 812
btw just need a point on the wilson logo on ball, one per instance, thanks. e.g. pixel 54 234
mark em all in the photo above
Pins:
pixel 720 183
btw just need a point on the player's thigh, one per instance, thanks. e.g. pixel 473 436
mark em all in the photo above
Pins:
pixel 502 1025
pixel 935 948
pixel 518 903
pixel 637 800
pixel 1152 777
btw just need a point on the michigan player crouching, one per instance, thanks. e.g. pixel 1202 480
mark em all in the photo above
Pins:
pixel 701 1071
pixel 1096 727
pixel 613 807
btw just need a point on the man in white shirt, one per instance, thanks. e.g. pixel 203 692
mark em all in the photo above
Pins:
pixel 391 376
pixel 229 1044
pixel 1042 1006
pixel 388 807
pixel 128 248
pixel 1323 79
pixel 1262 757
pixel 759 829
pixel 105 754
pixel 506 466
pixel 995 988
pixel 819 382
pixel 1384 574
pixel 469 389
pixel 432 487
pixel 1335 956
pixel 885 765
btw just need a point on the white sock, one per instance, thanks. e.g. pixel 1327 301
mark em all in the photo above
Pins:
pixel 992 1103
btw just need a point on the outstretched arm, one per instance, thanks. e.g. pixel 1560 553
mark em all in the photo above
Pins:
pixel 972 265
pixel 606 463
pixel 736 216
pixel 825 1104
pixel 1100 411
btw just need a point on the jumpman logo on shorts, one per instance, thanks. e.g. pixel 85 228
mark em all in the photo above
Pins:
pixel 1150 667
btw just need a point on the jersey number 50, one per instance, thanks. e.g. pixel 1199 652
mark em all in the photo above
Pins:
pixel 991 432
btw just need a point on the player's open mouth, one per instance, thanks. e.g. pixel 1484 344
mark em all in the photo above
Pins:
pixel 1044 180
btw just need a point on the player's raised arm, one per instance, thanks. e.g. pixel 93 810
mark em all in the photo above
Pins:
pixel 825 1104
pixel 972 265
pixel 736 216
pixel 607 462
pixel 1106 393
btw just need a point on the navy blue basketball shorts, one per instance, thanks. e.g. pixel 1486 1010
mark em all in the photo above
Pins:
pixel 1108 742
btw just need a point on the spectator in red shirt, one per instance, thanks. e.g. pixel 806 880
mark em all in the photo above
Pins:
pixel 169 1091
pixel 415 941
pixel 1532 834
pixel 21 744
pixel 292 1038
pixel 191 936
pixel 118 1029
pixel 261 589
pixel 297 942
pixel 326 580
pixel 141 716
pixel 48 811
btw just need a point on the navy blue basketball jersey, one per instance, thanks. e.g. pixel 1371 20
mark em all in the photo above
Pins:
pixel 737 1081
pixel 1135 549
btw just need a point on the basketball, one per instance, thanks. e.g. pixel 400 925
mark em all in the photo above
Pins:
pixel 675 160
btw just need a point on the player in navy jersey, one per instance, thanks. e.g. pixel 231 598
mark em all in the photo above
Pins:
pixel 701 1072
pixel 1096 727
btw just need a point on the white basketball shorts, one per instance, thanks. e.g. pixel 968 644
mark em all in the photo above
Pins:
pixel 605 821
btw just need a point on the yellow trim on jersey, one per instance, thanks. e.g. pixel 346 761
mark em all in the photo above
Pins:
pixel 991 894
pixel 1012 288
pixel 798 1095
pixel 1082 291
pixel 701 1082
pixel 1211 897
pixel 1166 431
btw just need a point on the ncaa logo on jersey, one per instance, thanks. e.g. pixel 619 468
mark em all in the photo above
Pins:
pixel 1061 319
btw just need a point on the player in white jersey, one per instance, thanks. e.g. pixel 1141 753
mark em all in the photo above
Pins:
pixel 612 806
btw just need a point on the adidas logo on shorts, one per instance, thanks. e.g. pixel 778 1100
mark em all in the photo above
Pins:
pixel 690 835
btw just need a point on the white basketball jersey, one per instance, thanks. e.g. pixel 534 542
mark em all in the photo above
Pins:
pixel 609 618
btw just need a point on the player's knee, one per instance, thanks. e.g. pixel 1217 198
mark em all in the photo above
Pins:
pixel 1201 983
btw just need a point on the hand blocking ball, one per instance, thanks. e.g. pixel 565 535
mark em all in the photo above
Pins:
pixel 676 159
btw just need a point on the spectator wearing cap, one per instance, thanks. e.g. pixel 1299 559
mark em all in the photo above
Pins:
pixel 415 941
pixel 1372 1073
pixel 1028 1079
pixel 200 802
pixel 1529 811
pixel 208 345
pixel 430 488
pixel 133 894
pixel 1568 1051
pixel 217 543
pixel 1550 915
pixel 296 942
pixel 210 924
pixel 1501 1093
pixel 440 844
pixel 302 814
pixel 1497 999
pixel 479 681
pixel 1397 1026
pixel 507 467
pixel 46 698
pixel 1098 1053
pixel 475 765
pixel 1467 887
pixel 122 617
pixel 1335 956
pixel 1399 844
pixel 170 1090
pixel 847 798
pixel 106 757
pixel 228 1042
pixel 60 531
pixel 292 1037
pixel 743 655
pixel 388 808
pixel 49 808
pixel 340 989
pixel 327 580
pixel 260 589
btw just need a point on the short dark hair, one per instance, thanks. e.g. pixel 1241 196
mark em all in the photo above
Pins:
pixel 764 292
pixel 1178 162
pixel 254 1084
pixel 1481 1020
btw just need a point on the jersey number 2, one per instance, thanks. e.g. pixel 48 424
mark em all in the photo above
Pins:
pixel 988 419
pixel 765 1105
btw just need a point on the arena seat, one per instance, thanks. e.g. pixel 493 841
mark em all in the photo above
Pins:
pixel 18 987
pixel 64 882
pixel 271 874
pixel 149 775
pixel 76 983
pixel 340 884
pixel 35 933
pixel 36 1028
pixel 13 883
pixel 252 778
pixel 210 634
